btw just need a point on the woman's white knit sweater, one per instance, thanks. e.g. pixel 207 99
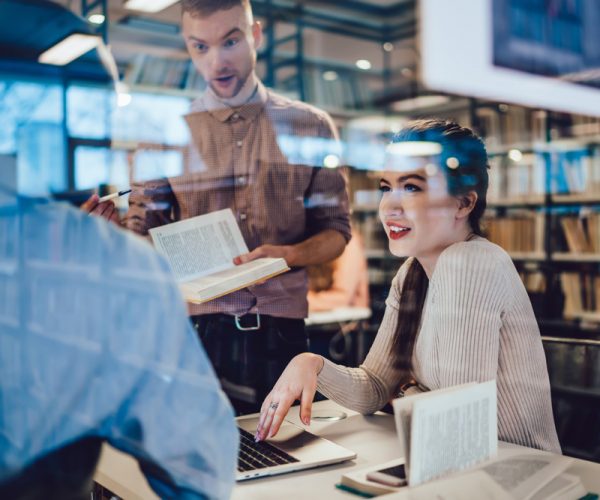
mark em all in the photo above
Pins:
pixel 477 325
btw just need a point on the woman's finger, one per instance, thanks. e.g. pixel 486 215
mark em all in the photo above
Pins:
pixel 266 425
pixel 306 405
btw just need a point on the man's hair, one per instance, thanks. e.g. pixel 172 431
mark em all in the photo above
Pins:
pixel 205 8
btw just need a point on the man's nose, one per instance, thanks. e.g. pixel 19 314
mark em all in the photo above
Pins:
pixel 216 60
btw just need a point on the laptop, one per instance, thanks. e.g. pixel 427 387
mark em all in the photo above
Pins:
pixel 290 450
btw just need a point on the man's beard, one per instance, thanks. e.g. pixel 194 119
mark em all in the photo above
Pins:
pixel 239 85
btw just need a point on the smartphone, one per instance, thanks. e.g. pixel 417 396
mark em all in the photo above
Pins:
pixel 392 476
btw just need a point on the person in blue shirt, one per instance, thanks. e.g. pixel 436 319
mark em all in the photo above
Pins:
pixel 96 345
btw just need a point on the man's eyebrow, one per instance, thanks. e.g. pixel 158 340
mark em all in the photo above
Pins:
pixel 226 35
pixel 230 32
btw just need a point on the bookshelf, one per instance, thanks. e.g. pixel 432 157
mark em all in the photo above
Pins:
pixel 544 208
pixel 162 75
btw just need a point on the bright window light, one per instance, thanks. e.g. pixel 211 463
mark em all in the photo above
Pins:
pixel 69 49
pixel 149 5
pixel 96 19
pixel 363 64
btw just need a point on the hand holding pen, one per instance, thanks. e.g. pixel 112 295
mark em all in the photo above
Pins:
pixel 104 207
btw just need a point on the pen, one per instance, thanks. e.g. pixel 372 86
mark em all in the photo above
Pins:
pixel 114 195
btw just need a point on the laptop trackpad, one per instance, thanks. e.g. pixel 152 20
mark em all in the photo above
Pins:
pixel 289 438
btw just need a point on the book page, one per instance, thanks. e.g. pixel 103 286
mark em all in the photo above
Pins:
pixel 200 245
pixel 221 283
pixel 452 431
pixel 474 484
pixel 403 408
pixel 523 474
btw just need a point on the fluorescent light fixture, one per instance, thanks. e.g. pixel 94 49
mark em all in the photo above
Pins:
pixel 420 102
pixel 414 148
pixel 69 49
pixel 149 5
pixel 330 76
pixel 96 19
pixel 363 64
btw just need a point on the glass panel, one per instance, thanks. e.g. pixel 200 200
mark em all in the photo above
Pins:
pixel 152 118
pixel 95 166
pixel 32 130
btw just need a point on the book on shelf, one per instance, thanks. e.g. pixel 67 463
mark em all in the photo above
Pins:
pixel 575 170
pixel 153 71
pixel 575 234
pixel 582 294
pixel 534 281
pixel 582 232
pixel 200 251
pixel 521 231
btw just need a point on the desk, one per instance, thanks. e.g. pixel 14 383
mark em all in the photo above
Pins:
pixel 339 315
pixel 373 438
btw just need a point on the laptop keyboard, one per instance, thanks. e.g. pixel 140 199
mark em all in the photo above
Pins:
pixel 259 455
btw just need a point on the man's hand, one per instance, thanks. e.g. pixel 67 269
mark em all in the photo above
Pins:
pixel 285 251
pixel 106 210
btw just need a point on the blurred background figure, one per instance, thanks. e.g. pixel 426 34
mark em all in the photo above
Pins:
pixel 343 282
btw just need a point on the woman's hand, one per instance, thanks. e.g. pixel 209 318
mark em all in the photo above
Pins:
pixel 298 381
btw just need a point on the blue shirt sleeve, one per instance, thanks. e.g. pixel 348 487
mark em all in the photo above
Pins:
pixel 95 341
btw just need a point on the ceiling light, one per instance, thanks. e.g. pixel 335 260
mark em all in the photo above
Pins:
pixel 515 155
pixel 388 46
pixel 420 102
pixel 452 163
pixel 330 76
pixel 69 49
pixel 96 19
pixel 331 161
pixel 414 148
pixel 149 5
pixel 363 64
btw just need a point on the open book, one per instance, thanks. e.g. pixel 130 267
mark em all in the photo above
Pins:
pixel 447 430
pixel 449 441
pixel 200 251
pixel 515 474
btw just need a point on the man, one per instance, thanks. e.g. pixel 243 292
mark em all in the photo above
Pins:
pixel 96 345
pixel 261 155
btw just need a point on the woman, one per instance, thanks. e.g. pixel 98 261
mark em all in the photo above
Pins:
pixel 457 311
